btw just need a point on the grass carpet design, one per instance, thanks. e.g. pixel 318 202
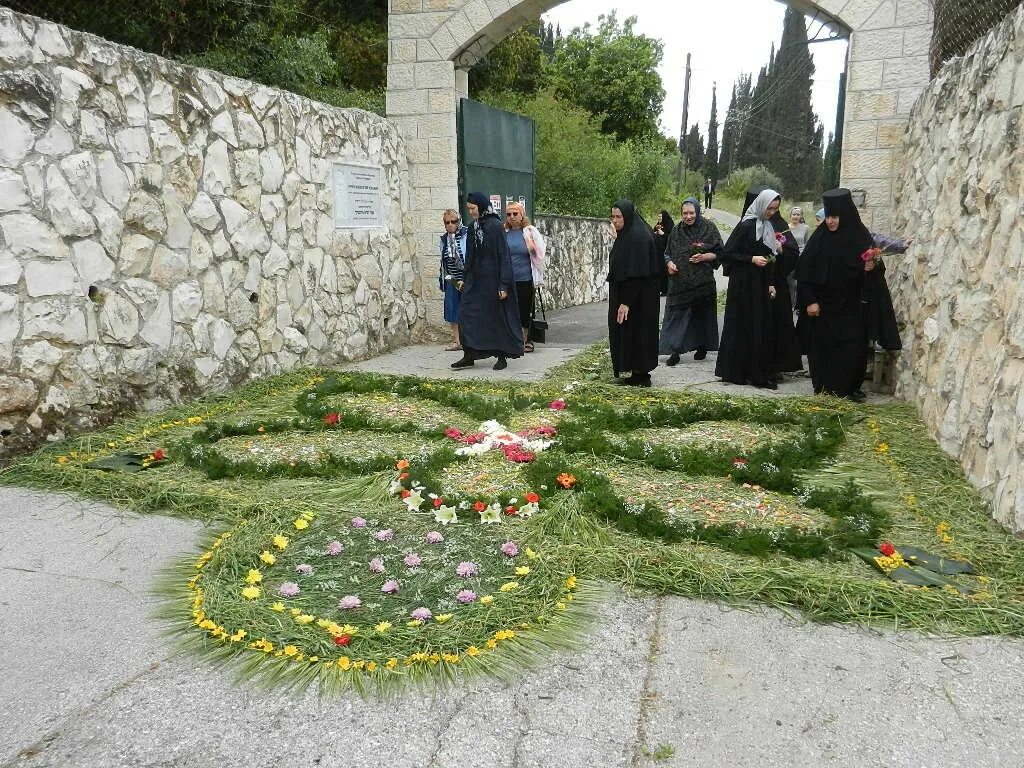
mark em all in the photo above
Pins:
pixel 354 544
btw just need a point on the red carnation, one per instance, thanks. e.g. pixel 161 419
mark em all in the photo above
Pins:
pixel 887 549
pixel 479 506
pixel 438 502
pixel 453 433
pixel 159 455
pixel 332 418
pixel 511 510
pixel 532 497
pixel 343 639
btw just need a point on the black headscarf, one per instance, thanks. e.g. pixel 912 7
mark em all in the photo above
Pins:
pixel 666 222
pixel 701 230
pixel 481 201
pixel 752 194
pixel 842 247
pixel 634 253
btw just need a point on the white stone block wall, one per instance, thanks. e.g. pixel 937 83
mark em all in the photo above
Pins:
pixel 960 290
pixel 166 230
pixel 577 252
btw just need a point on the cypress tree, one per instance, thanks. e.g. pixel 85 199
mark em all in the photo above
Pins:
pixel 694 149
pixel 711 156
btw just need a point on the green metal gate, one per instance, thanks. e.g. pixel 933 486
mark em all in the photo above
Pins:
pixel 496 156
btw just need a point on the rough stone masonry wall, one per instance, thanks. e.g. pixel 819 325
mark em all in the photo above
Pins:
pixel 961 290
pixel 577 260
pixel 166 230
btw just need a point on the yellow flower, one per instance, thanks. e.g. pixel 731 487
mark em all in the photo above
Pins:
pixel 268 557
pixel 882 448
pixel 253 577
pixel 391 663
pixel 451 658
pixel 251 593
pixel 531 554
pixel 371 666
pixel 237 636
pixel 290 650
pixel 486 599
pixel 441 618
pixel 345 663
pixel 279 607
pixel 308 515
pixel 414 623
pixel 492 644
pixel 560 605
pixel 301 523
pixel 383 627
pixel 295 611
pixel 508 586
pixel 280 541
pixel 348 629
pixel 472 651
pixel 570 583
pixel 304 619
pixel 523 570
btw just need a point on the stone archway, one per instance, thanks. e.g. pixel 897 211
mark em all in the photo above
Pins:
pixel 433 43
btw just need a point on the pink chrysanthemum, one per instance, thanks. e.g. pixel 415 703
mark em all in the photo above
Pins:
pixel 386 535
pixel 389 587
pixel 412 560
pixel 335 548
pixel 348 602
pixel 466 596
pixel 510 549
pixel 466 569
pixel 377 565
pixel 358 522
pixel 434 538
pixel 304 568
pixel 421 614
pixel 288 589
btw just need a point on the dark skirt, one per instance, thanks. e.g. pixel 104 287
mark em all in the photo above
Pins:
pixel 689 327
pixel 452 299
pixel 524 297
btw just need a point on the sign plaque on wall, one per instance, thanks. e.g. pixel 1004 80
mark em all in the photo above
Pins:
pixel 357 196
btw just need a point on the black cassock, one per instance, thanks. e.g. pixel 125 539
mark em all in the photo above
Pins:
pixel 785 343
pixel 634 270
pixel 831 275
pixel 746 353
pixel 488 326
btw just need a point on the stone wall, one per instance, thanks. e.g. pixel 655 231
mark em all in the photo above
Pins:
pixel 961 288
pixel 577 260
pixel 167 230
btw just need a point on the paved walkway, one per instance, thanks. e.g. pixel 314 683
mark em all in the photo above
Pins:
pixel 90 681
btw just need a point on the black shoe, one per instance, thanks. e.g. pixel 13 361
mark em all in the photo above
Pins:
pixel 700 354
pixel 765 384
pixel 673 359
pixel 639 380
pixel 858 396
pixel 465 362
pixel 501 365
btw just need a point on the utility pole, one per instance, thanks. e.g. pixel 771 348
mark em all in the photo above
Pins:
pixel 681 169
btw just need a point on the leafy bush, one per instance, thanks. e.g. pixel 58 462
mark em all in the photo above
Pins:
pixel 739 181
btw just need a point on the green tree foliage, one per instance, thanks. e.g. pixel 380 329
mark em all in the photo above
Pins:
pixel 830 166
pixel 612 72
pixel 711 156
pixel 693 149
pixel 739 181
pixel 327 50
pixel 582 171
pixel 518 63
pixel 735 122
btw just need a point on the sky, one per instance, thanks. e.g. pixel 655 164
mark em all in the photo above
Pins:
pixel 721 49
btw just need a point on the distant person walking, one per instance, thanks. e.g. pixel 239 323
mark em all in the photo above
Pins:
pixel 453 271
pixel 709 191
pixel 634 268
pixel 662 229
pixel 490 325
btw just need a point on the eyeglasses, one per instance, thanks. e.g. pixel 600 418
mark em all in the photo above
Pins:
pixel 511 213
pixel 451 221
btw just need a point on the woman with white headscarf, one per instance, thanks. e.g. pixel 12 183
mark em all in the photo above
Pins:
pixel 746 351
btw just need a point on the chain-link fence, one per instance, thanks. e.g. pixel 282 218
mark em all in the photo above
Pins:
pixel 959 23
pixel 331 51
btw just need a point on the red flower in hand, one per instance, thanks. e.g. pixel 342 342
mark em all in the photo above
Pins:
pixel 343 639
pixel 332 418
pixel 887 548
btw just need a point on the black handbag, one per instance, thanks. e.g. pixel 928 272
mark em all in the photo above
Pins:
pixel 539 326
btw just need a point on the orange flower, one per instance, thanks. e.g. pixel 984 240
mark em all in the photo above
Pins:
pixel 532 497
pixel 566 480
pixel 402 464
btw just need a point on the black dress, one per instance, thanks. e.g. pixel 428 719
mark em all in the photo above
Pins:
pixel 785 343
pixel 634 268
pixel 489 326
pixel 691 309
pixel 831 275
pixel 746 353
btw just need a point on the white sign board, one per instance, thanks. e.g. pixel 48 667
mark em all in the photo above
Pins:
pixel 357 196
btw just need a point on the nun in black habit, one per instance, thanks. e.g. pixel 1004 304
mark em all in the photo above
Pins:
pixel 633 306
pixel 785 342
pixel 489 315
pixel 746 354
pixel 831 283
pixel 662 230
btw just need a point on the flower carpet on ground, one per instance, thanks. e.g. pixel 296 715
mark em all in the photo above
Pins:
pixel 375 530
